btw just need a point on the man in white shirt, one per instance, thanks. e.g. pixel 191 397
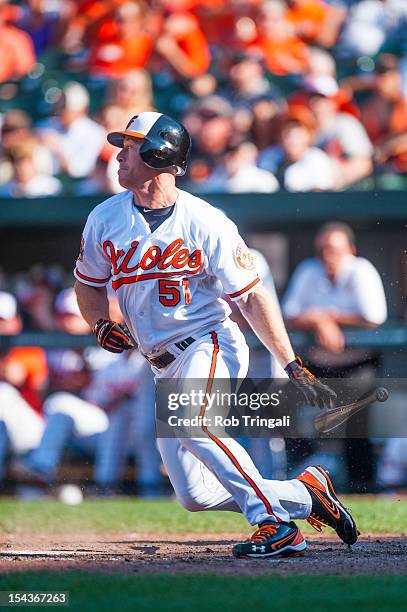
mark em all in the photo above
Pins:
pixel 28 181
pixel 333 290
pixel 73 137
pixel 370 25
pixel 297 164
pixel 239 174
pixel 340 134
pixel 325 294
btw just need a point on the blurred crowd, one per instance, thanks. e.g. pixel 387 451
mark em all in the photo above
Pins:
pixel 99 407
pixel 297 95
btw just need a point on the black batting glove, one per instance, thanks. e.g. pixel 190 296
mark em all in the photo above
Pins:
pixel 314 391
pixel 113 337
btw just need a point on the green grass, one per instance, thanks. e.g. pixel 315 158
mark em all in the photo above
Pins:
pixel 178 593
pixel 373 515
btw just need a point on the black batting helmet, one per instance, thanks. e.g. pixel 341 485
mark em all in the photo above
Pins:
pixel 166 142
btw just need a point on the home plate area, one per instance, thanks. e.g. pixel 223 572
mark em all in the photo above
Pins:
pixel 192 553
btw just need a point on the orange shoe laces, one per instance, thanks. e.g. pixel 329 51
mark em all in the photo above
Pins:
pixel 264 532
pixel 316 522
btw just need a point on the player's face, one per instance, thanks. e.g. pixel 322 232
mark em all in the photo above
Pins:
pixel 132 170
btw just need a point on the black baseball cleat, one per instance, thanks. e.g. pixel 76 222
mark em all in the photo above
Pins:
pixel 326 507
pixel 272 539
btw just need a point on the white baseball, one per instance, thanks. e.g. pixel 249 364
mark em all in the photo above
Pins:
pixel 70 494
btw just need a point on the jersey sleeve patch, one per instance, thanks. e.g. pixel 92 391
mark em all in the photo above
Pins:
pixel 244 258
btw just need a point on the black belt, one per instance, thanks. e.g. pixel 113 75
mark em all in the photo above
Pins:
pixel 163 360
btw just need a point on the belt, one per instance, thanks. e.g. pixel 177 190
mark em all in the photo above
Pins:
pixel 163 360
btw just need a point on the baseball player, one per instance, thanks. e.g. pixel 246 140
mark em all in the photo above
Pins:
pixel 170 256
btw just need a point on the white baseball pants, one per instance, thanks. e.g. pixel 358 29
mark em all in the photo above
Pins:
pixel 210 473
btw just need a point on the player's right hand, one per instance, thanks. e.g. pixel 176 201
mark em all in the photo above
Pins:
pixel 112 336
pixel 314 391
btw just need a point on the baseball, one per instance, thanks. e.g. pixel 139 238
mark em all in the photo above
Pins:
pixel 70 494
pixel 382 394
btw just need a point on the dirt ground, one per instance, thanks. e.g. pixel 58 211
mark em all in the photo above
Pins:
pixel 196 553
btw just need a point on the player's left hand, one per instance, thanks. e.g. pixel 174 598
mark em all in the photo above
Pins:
pixel 113 337
pixel 315 392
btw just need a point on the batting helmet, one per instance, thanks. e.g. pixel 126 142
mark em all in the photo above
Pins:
pixel 166 142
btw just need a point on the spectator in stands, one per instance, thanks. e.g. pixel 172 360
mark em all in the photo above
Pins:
pixel 75 140
pixel 66 314
pixel 238 173
pixel 127 96
pixel 384 115
pixel 36 290
pixel 98 182
pixel 27 181
pixel 16 48
pixel 203 85
pixel 227 24
pixel 283 52
pixel 17 127
pixel 183 45
pixel 126 45
pixel 316 21
pixel 295 162
pixel 321 63
pixel 40 23
pixel 210 123
pixel 340 134
pixel 10 320
pixel 132 93
pixel 334 289
pixel 265 122
pixel 337 289
pixel 80 20
pixel 247 82
pixel 370 25
pixel 321 70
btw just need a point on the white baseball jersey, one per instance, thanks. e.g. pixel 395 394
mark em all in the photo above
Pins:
pixel 181 269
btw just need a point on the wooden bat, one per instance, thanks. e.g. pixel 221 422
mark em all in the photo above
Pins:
pixel 332 418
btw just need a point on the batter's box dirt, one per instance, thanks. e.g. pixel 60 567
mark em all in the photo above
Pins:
pixel 195 553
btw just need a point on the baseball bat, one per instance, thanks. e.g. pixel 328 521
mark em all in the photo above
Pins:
pixel 332 418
